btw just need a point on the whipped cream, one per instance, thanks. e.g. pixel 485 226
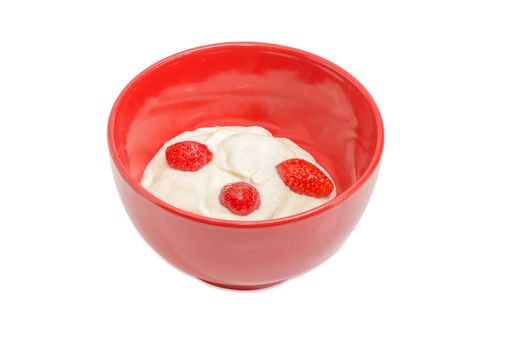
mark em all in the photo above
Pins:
pixel 248 154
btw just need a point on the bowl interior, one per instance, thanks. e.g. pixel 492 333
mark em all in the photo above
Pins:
pixel 291 93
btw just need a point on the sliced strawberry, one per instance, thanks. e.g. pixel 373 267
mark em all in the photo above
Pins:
pixel 304 178
pixel 240 198
pixel 188 155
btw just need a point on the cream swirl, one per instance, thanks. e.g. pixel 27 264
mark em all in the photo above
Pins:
pixel 248 154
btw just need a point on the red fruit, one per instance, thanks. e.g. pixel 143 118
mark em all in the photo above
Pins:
pixel 240 198
pixel 188 155
pixel 304 178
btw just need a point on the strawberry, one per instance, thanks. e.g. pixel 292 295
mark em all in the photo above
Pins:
pixel 304 178
pixel 240 198
pixel 188 155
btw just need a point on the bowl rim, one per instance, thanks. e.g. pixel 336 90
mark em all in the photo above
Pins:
pixel 124 173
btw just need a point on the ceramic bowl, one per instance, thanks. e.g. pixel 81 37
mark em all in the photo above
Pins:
pixel 290 92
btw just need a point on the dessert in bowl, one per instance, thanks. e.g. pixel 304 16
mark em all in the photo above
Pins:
pixel 292 94
pixel 193 171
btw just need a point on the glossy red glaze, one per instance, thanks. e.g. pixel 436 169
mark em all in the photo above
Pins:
pixel 290 92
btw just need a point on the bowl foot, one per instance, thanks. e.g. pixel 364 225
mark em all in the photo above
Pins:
pixel 243 287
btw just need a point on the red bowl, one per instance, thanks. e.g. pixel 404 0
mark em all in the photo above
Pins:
pixel 290 92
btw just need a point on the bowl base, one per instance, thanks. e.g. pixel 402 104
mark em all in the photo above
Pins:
pixel 243 287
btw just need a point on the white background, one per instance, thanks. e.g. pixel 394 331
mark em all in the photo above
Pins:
pixel 424 269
